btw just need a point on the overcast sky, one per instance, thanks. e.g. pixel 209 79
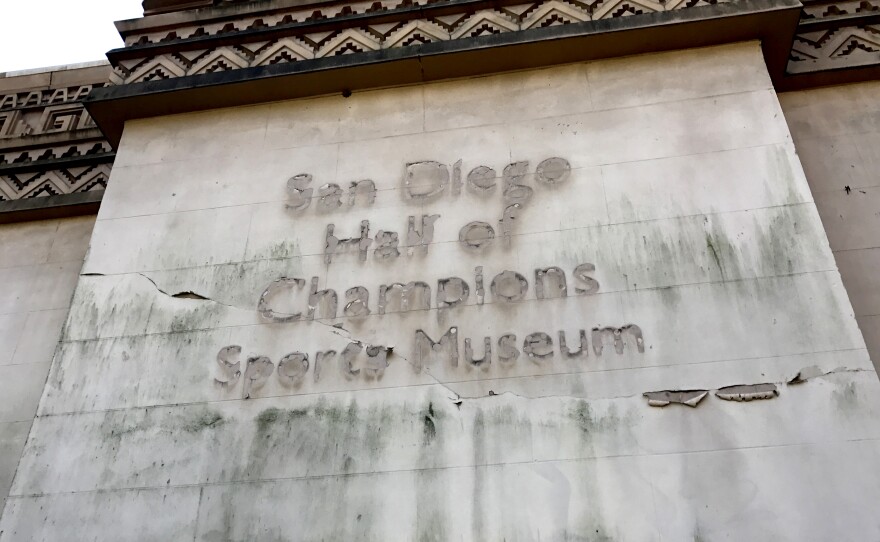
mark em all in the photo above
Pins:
pixel 40 33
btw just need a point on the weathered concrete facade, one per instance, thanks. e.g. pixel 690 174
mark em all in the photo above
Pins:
pixel 39 268
pixel 837 134
pixel 195 396
pixel 54 160
pixel 54 165
pixel 456 270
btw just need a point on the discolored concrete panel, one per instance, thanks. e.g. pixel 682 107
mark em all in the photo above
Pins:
pixel 39 268
pixel 837 132
pixel 159 515
pixel 417 313
pixel 12 438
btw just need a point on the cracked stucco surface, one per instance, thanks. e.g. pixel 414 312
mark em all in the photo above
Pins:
pixel 685 193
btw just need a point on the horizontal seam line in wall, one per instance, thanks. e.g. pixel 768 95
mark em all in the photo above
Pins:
pixel 396 188
pixel 441 383
pixel 43 264
pixel 47 362
pixel 325 321
pixel 20 313
pixel 488 125
pixel 27 421
pixel 448 468
pixel 823 136
pixel 456 241
pixel 833 251
pixel 25 314
pixel 561 116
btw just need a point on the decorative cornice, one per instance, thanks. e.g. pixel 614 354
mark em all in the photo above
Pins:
pixel 280 35
pixel 48 207
pixel 834 35
pixel 280 49
pixel 280 19
pixel 187 55
pixel 835 48
pixel 836 41
pixel 49 145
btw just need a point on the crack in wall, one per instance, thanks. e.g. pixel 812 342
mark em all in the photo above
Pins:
pixel 661 398
pixel 748 392
pixel 739 392
pixel 187 294
pixel 183 294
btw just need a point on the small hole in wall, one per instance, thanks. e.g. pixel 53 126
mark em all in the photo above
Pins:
pixel 346 93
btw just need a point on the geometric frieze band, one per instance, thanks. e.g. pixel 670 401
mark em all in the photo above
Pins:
pixel 49 144
pixel 261 45
pixel 34 184
pixel 830 36
pixel 836 35
pixel 847 45
pixel 279 18
pixel 25 157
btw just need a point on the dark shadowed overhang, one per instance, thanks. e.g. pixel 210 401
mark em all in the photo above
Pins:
pixel 773 22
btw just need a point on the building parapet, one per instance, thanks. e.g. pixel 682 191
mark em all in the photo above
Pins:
pixel 187 55
pixel 836 42
pixel 235 53
pixel 49 144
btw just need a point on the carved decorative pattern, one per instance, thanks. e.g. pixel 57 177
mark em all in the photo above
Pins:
pixel 23 122
pixel 823 10
pixel 838 43
pixel 49 144
pixel 78 150
pixel 302 42
pixel 45 97
pixel 578 10
pixel 54 182
pixel 835 35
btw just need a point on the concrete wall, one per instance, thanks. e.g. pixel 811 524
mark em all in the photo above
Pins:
pixel 837 135
pixel 181 405
pixel 39 267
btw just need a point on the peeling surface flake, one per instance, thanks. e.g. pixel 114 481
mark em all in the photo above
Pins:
pixel 690 398
pixel 747 393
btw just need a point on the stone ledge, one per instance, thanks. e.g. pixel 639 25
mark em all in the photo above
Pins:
pixel 49 207
pixel 54 163
pixel 771 21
